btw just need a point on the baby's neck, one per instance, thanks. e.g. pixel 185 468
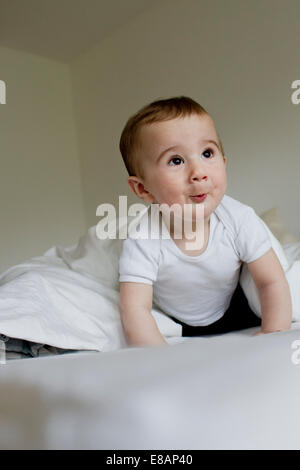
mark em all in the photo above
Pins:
pixel 193 243
pixel 187 232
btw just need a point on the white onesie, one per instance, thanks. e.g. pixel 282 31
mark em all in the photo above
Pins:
pixel 197 289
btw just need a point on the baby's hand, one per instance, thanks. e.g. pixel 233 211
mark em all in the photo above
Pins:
pixel 261 332
pixel 258 333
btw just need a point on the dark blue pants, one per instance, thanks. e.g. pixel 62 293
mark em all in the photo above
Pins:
pixel 238 316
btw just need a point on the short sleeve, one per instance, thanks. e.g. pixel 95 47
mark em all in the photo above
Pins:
pixel 253 239
pixel 139 261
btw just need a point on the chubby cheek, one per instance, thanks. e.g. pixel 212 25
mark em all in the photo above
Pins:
pixel 220 181
pixel 169 197
pixel 169 189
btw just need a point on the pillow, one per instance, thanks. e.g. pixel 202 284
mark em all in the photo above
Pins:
pixel 275 223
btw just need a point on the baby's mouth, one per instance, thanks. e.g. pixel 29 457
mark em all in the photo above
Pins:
pixel 199 197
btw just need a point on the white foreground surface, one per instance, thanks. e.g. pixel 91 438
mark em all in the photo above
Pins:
pixel 233 391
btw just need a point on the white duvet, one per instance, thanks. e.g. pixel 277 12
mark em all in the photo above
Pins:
pixel 232 391
pixel 69 297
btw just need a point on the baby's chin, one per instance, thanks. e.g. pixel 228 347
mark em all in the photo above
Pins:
pixel 205 208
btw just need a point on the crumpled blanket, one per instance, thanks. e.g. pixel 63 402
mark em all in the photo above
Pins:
pixel 15 348
pixel 68 299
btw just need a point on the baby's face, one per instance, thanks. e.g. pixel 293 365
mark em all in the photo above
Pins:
pixel 193 166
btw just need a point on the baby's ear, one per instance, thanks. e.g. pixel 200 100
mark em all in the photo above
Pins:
pixel 137 186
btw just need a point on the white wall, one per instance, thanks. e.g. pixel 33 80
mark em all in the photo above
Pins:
pixel 237 58
pixel 40 185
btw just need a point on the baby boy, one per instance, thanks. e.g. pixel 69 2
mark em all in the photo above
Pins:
pixel 174 156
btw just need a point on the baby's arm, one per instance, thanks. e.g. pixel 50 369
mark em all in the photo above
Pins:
pixel 135 308
pixel 274 293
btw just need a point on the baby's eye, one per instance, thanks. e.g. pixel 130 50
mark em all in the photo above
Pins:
pixel 175 161
pixel 208 153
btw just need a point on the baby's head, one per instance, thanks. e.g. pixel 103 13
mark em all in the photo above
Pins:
pixel 172 153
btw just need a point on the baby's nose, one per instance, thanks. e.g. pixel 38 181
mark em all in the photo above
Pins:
pixel 199 177
pixel 198 173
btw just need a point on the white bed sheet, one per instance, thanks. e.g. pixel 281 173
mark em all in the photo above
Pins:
pixel 233 391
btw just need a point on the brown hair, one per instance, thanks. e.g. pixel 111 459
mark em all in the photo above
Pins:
pixel 160 110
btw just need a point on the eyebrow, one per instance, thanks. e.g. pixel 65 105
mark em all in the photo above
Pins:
pixel 210 141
